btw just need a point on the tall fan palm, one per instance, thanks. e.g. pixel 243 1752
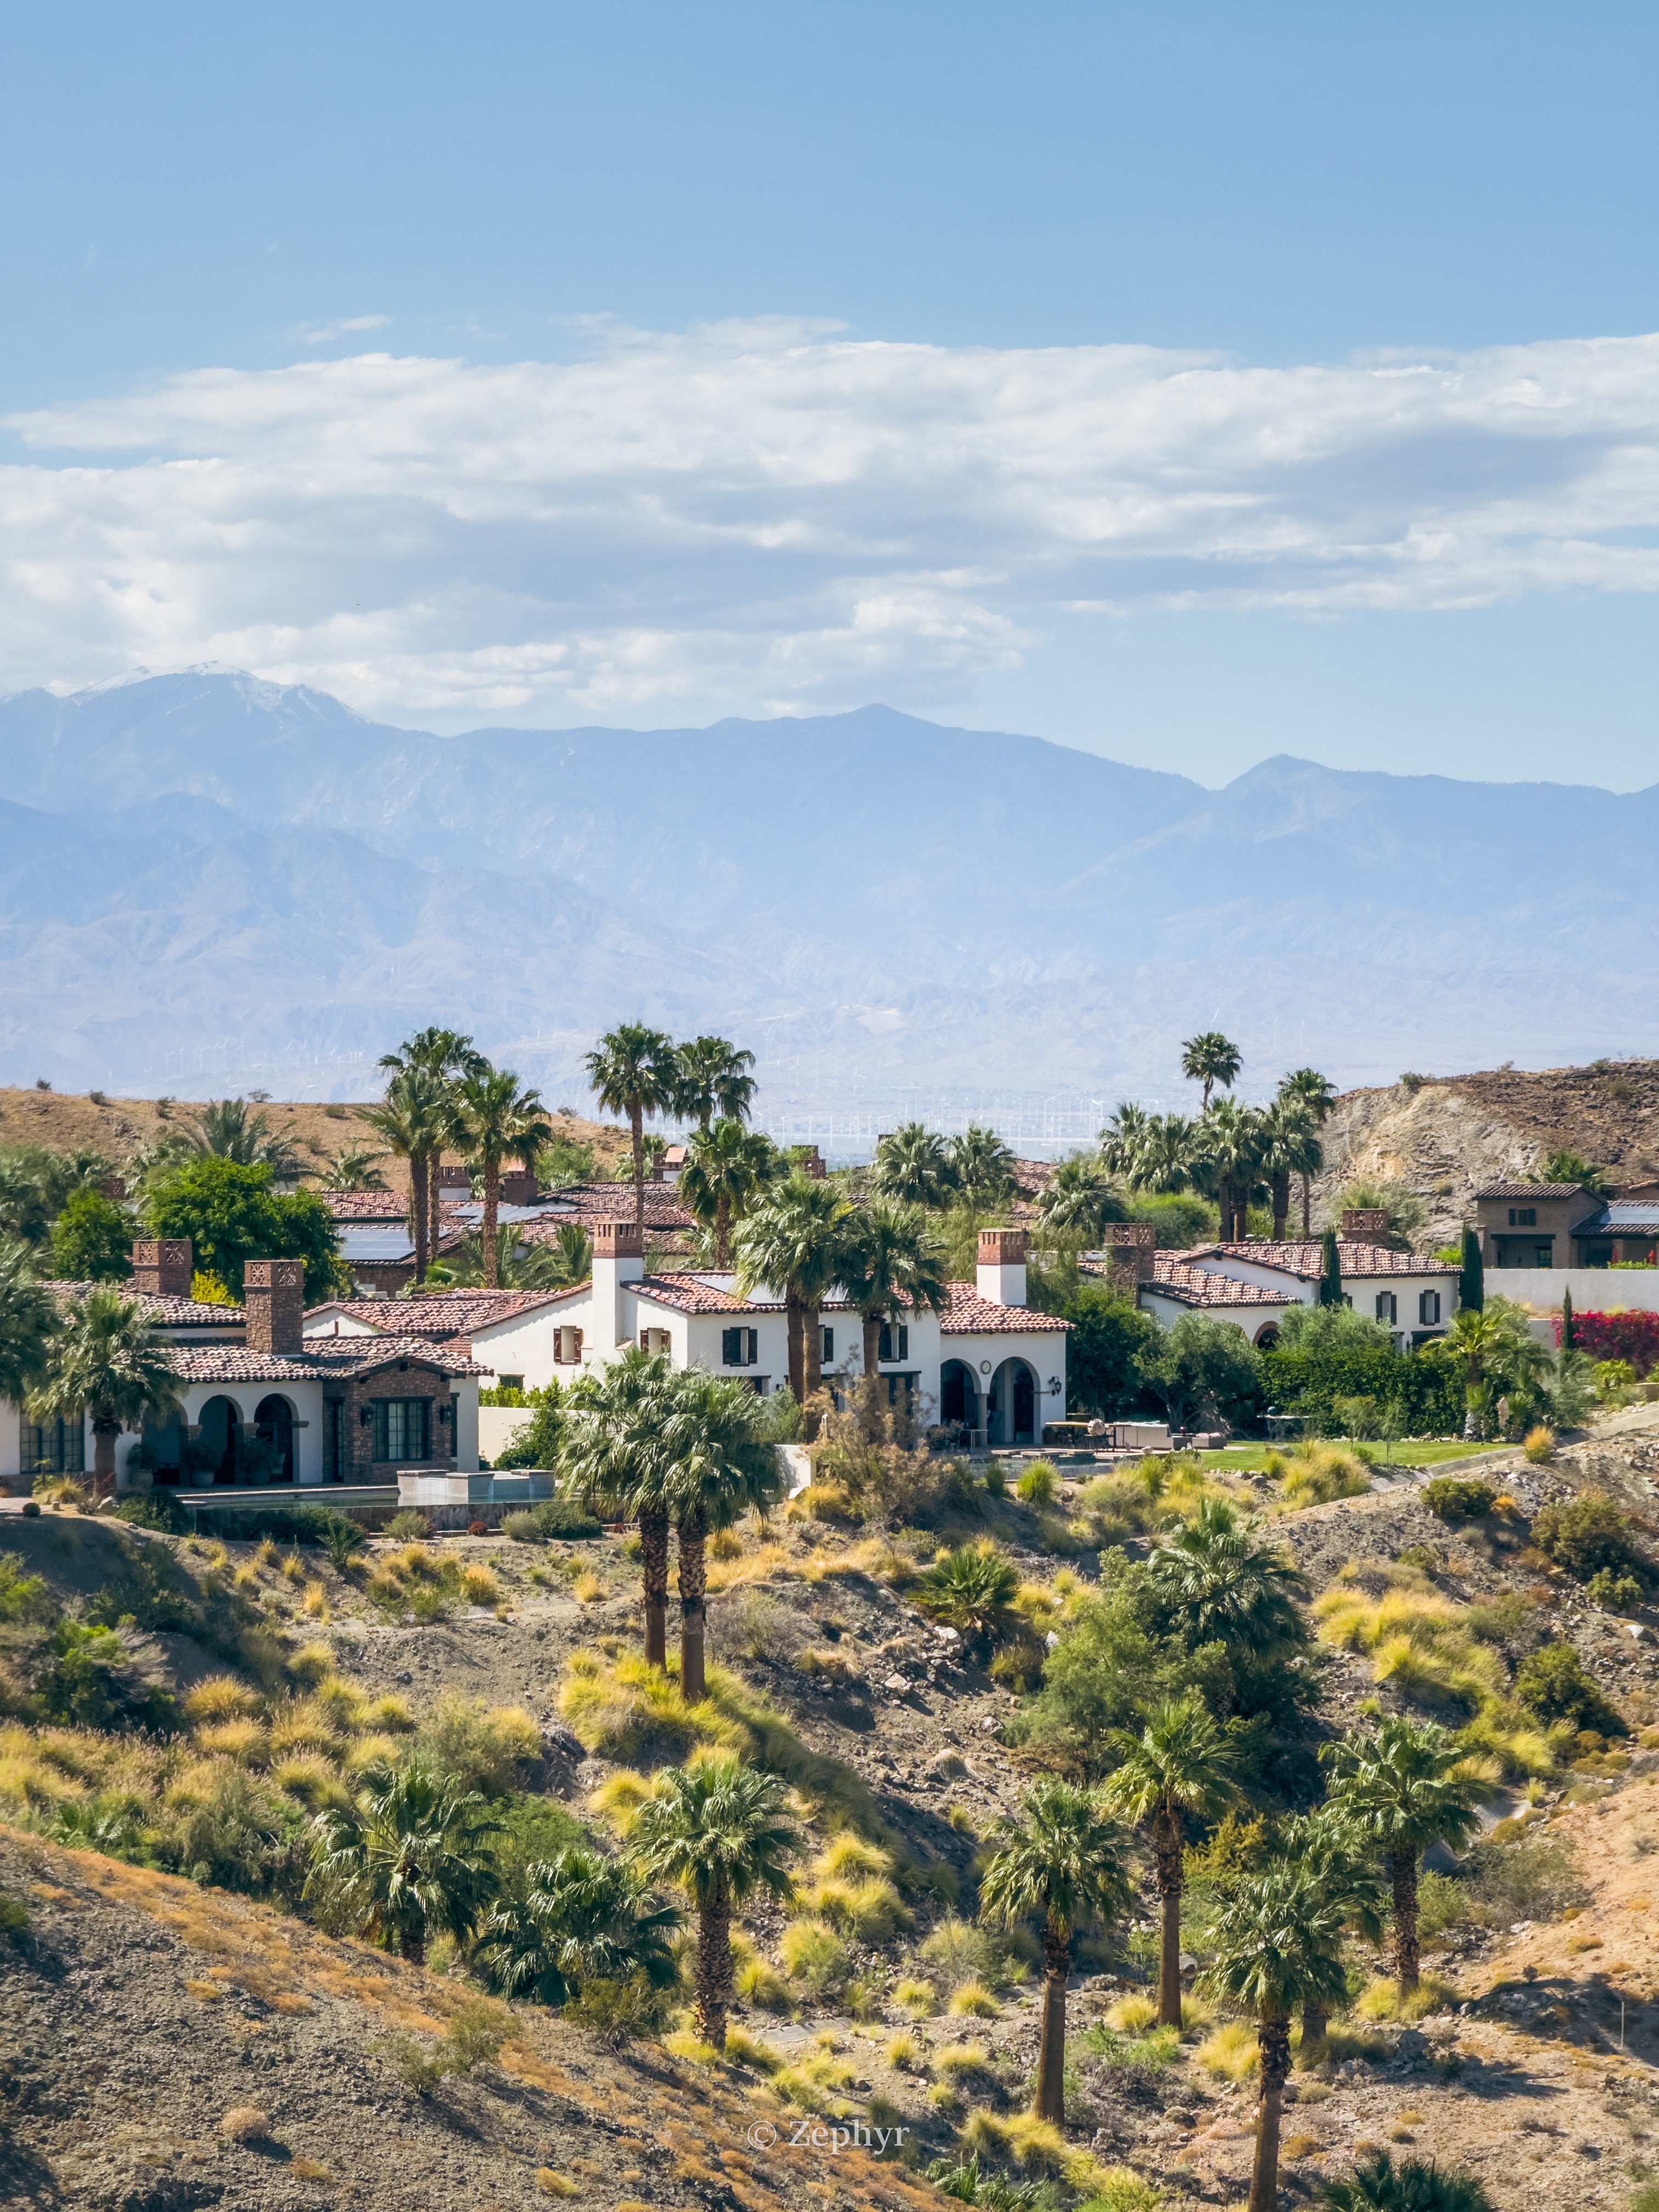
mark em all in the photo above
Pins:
pixel 541 1266
pixel 1153 1151
pixel 1290 1148
pixel 109 1361
pixel 1061 1861
pixel 501 1122
pixel 583 1917
pixel 792 1242
pixel 1216 1584
pixel 1277 1943
pixel 719 1463
pixel 354 1167
pixel 1180 1763
pixel 727 1167
pixel 1210 1059
pixel 891 1258
pixel 714 1078
pixel 412 1855
pixel 1405 1787
pixel 1078 1202
pixel 722 1832
pixel 28 1320
pixel 1334 1855
pixel 912 1165
pixel 413 1121
pixel 634 1071
pixel 1120 1139
pixel 1318 1094
pixel 445 1056
pixel 1232 1142
pixel 226 1130
pixel 613 1454
pixel 983 1164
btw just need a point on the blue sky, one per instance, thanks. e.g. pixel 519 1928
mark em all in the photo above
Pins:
pixel 811 307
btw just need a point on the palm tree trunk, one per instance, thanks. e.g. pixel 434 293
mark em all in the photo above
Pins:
pixel 492 1270
pixel 653 1562
pixel 434 1217
pixel 1051 2056
pixel 694 1585
pixel 1166 1853
pixel 722 1232
pixel 1281 1189
pixel 1405 1920
pixel 1315 2019
pixel 795 1310
pixel 104 1434
pixel 812 1346
pixel 1273 2035
pixel 636 1132
pixel 1307 1205
pixel 419 1228
pixel 714 1969
pixel 872 1344
pixel 411 1945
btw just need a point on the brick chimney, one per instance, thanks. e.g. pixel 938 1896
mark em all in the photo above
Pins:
pixel 1002 1265
pixel 274 1295
pixel 454 1179
pixel 1129 1246
pixel 618 1258
pixel 162 1267
pixel 1365 1225
pixel 519 1187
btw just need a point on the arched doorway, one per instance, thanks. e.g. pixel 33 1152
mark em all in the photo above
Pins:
pixel 959 1396
pixel 1012 1414
pixel 164 1442
pixel 221 1433
pixel 273 1423
pixel 1267 1336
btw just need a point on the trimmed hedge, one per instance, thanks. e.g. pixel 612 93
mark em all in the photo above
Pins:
pixel 1428 1391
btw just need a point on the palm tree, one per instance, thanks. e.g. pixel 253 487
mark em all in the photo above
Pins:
pixel 1334 1856
pixel 891 1258
pixel 1290 1148
pixel 107 1360
pixel 722 1832
pixel 412 1856
pixel 444 1057
pixel 1318 1095
pixel 1232 1143
pixel 726 1166
pixel 792 1242
pixel 226 1130
pixel 719 1463
pixel 1405 1787
pixel 714 1078
pixel 1216 1584
pixel 634 1071
pixel 1078 1202
pixel 971 1589
pixel 583 1917
pixel 1062 1862
pixel 1277 1943
pixel 1210 1059
pixel 501 1122
pixel 28 1319
pixel 613 1454
pixel 1151 1151
pixel 354 1167
pixel 413 1121
pixel 1377 2184
pixel 518 1266
pixel 1496 1349
pixel 983 1165
pixel 1180 1763
pixel 913 1165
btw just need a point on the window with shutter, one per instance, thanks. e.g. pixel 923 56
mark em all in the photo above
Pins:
pixel 828 1348
pixel 731 1347
pixel 1385 1306
pixel 751 1347
pixel 1428 1309
pixel 904 1341
pixel 885 1341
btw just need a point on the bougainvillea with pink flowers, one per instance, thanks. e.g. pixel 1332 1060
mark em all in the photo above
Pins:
pixel 1625 1333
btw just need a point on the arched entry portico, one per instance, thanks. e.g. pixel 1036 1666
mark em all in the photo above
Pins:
pixel 1011 1404
pixel 273 1422
pixel 958 1395
pixel 222 1437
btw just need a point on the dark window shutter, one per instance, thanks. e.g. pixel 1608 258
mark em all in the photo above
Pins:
pixel 731 1356
pixel 576 1345
pixel 753 1338
pixel 904 1341
pixel 885 1341
pixel 828 1348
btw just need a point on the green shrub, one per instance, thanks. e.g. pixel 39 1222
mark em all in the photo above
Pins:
pixel 408 1526
pixel 566 1516
pixel 1533 1879
pixel 1442 1903
pixel 154 1509
pixel 1587 1535
pixel 1618 1592
pixel 519 1526
pixel 1039 1484
pixel 1459 1497
pixel 22 1597
pixel 1551 1682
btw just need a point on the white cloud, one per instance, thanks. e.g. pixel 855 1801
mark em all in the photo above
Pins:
pixel 325 333
pixel 777 517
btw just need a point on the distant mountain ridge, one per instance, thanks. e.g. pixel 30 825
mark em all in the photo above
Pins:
pixel 877 904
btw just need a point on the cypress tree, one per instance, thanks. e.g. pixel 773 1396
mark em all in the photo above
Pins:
pixel 1566 1318
pixel 1330 1273
pixel 1472 1289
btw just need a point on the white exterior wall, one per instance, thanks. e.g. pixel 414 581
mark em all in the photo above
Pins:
pixel 11 1438
pixel 1252 1320
pixel 1361 1289
pixel 1595 1289
pixel 524 1344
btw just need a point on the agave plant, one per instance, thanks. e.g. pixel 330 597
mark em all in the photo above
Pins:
pixel 971 1589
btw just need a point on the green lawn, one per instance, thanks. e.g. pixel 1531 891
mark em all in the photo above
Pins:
pixel 1245 1459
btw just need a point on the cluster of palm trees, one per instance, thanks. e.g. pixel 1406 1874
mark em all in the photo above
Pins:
pixel 443 1096
pixel 1236 1154
pixel 640 1073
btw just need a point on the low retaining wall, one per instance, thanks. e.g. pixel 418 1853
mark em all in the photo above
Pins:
pixel 1595 1289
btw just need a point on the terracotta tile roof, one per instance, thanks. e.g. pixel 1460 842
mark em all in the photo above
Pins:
pixel 693 1294
pixel 599 1202
pixel 447 1313
pixel 1531 1190
pixel 1203 1286
pixel 969 1314
pixel 1306 1262
pixel 365 1205
pixel 327 1359
pixel 164 1312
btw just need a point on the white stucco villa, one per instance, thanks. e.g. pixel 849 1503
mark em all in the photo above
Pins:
pixel 988 1363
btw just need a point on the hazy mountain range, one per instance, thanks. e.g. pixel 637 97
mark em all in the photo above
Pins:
pixel 208 878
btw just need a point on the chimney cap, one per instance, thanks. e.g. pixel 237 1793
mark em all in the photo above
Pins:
pixel 618 1240
pixel 1001 1248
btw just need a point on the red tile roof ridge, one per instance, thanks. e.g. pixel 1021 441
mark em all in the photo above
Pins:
pixel 969 1314
pixel 170 1311
pixel 1209 1286
pixel 1306 1259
